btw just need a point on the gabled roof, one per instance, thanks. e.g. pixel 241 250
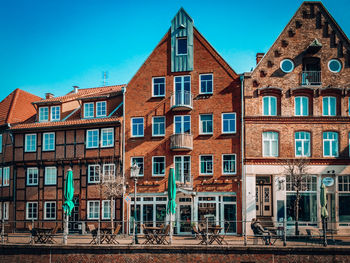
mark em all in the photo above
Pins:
pixel 17 107
pixel 182 10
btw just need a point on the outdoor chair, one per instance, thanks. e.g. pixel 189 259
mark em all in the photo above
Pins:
pixel 257 236
pixel 113 236
pixel 163 235
pixel 221 238
pixel 196 232
pixel 93 232
pixel 148 235
pixel 34 234
pixel 51 236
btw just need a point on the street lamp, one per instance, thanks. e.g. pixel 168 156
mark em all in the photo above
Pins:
pixel 135 169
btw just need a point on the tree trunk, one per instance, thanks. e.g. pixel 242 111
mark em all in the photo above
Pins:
pixel 112 208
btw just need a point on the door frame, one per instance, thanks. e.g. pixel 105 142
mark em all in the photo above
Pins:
pixel 261 190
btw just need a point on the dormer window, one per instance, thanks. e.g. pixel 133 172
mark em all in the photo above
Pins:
pixel 101 110
pixel 55 113
pixel 89 110
pixel 181 46
pixel 43 114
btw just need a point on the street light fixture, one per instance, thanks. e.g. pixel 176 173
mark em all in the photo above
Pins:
pixel 134 172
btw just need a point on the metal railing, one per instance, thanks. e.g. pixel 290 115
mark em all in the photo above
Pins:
pixel 309 78
pixel 182 100
pixel 181 141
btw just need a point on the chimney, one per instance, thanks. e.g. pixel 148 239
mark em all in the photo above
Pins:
pixel 48 95
pixel 75 89
pixel 259 56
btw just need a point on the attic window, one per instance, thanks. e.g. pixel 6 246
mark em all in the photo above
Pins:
pixel 181 46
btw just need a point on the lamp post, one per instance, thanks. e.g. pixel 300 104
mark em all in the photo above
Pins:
pixel 134 173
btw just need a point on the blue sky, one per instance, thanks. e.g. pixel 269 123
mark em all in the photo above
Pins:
pixel 51 45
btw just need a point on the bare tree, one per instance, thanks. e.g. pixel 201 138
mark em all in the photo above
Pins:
pixel 296 170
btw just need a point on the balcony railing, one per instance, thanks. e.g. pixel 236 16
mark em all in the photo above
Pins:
pixel 181 100
pixel 181 142
pixel 309 78
pixel 184 181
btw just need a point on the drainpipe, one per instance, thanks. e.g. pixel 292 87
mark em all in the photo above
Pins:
pixel 123 162
pixel 244 210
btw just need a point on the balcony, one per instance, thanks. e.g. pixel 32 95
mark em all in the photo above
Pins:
pixel 311 78
pixel 181 142
pixel 184 181
pixel 181 100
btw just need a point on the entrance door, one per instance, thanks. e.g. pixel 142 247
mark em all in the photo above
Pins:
pixel 263 196
pixel 74 225
pixel 184 216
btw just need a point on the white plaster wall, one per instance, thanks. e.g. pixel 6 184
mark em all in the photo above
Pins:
pixel 250 201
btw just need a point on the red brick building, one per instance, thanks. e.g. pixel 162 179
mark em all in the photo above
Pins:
pixel 81 130
pixel 182 110
pixel 297 106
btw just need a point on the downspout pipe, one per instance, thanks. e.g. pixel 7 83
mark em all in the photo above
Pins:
pixel 123 161
pixel 244 205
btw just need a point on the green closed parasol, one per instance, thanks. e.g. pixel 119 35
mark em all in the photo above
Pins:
pixel 171 199
pixel 68 203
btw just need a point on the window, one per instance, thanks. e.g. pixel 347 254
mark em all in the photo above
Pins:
pixel 344 198
pixel 93 208
pixel 269 106
pixel 206 82
pixel 228 122
pixel 329 106
pixel 158 87
pixel 206 124
pixel 270 144
pixel 334 65
pixel 55 113
pixel 183 169
pixel 108 172
pixel 5 210
pixel 30 142
pixel 228 164
pixel 43 114
pixel 158 166
pixel 92 139
pixel 302 144
pixel 107 137
pixel 32 176
pixel 50 175
pixel 182 94
pixel 49 141
pixel 287 65
pixel 0 176
pixel 106 209
pixel 6 176
pixel 94 173
pixel 182 124
pixel 206 163
pixel 181 46
pixel 330 144
pixel 50 211
pixel 301 106
pixel 31 210
pixel 89 110
pixel 0 143
pixel 139 162
pixel 101 109
pixel 158 128
pixel 137 127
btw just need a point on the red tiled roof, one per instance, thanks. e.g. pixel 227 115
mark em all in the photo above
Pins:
pixel 82 93
pixel 17 107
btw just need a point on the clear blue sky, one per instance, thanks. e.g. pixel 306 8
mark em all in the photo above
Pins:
pixel 51 45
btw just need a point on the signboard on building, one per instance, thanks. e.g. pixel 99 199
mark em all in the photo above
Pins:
pixel 328 181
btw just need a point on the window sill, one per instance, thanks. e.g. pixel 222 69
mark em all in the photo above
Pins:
pixel 231 174
pixel 106 147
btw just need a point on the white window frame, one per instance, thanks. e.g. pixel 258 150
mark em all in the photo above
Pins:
pixel 269 113
pixel 153 127
pixel 153 162
pixel 97 109
pixel 177 46
pixel 26 142
pixel 201 124
pixel 41 119
pixel 182 124
pixel 50 180
pixel 143 127
pixel 0 143
pixel 33 169
pixel 301 106
pixel 45 210
pixel 303 141
pixel 182 159
pixel 200 164
pixel 103 207
pixel 27 210
pixel 331 142
pixel 143 164
pixel 329 110
pixel 85 111
pixel 87 139
pixel 49 147
pixel 222 123
pixel 94 167
pixel 4 213
pixel 89 202
pixel 107 130
pixel 153 86
pixel 6 176
pixel 212 83
pixel 270 144
pixel 110 176
pixel 52 116
pixel 222 163
pixel 1 176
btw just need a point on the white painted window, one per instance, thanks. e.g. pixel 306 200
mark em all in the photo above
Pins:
pixel 302 144
pixel 32 176
pixel 106 209
pixel 30 142
pixel 0 143
pixel 92 138
pixel 270 144
pixel 329 105
pixel 206 164
pixel 107 137
pixel 50 211
pixel 229 164
pixel 31 210
pixel 93 208
pixel 182 168
pixel 158 126
pixel 43 114
pixel 206 124
pixel 182 124
pixel 206 82
pixel 0 176
pixel 5 210
pixel 269 106
pixel 330 144
pixel 6 176
pixel 137 127
pixel 301 106
pixel 228 122
pixel 108 171
pixel 158 85
pixel 49 141
pixel 101 109
pixel 139 162
pixel 55 113
pixel 88 110
pixel 50 175
pixel 158 166
pixel 94 173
